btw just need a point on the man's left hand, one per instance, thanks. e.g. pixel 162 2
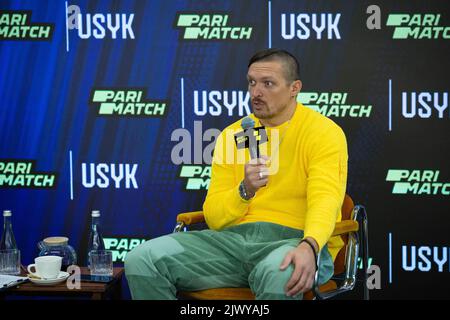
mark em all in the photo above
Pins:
pixel 302 278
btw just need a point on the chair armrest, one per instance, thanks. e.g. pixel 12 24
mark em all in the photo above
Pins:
pixel 192 217
pixel 344 227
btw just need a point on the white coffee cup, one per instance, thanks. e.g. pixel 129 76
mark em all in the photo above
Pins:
pixel 47 267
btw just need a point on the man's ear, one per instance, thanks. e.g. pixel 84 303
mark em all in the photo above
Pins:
pixel 296 87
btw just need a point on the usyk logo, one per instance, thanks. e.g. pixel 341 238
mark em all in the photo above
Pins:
pixel 197 177
pixel 217 103
pixel 425 258
pixel 126 103
pixel 305 26
pixel 417 26
pixel 103 175
pixel 121 246
pixel 16 25
pixel 99 25
pixel 17 173
pixel 209 26
pixel 425 105
pixel 333 104
pixel 419 182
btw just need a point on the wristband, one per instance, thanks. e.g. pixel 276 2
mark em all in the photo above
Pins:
pixel 313 249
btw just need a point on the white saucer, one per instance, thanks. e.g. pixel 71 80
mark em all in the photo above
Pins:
pixel 48 282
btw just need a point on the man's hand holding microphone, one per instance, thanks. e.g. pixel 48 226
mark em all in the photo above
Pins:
pixel 256 175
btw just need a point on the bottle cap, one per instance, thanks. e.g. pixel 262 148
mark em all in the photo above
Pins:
pixel 56 241
pixel 7 213
pixel 95 213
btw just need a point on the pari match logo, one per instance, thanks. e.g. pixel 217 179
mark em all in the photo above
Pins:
pixel 18 173
pixel 17 25
pixel 418 26
pixel 129 103
pixel 417 182
pixel 333 104
pixel 209 26
pixel 192 156
pixel 120 246
pixel 197 177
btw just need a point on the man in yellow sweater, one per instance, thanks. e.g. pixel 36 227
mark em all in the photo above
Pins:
pixel 269 217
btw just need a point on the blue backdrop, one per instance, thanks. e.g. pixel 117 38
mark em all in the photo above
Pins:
pixel 397 90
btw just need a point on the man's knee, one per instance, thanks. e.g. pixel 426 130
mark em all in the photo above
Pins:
pixel 267 280
pixel 135 258
pixel 268 273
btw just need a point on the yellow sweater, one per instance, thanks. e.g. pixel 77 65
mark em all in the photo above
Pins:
pixel 305 189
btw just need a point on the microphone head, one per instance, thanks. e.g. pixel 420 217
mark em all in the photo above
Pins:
pixel 247 123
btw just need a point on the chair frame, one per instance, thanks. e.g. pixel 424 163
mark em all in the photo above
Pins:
pixel 356 241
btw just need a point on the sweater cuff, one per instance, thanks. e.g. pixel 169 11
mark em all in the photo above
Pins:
pixel 321 239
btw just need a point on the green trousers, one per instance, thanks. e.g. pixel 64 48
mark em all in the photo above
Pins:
pixel 246 255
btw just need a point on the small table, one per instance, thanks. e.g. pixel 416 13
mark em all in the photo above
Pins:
pixel 97 291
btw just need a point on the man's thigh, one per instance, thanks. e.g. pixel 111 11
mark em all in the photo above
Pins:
pixel 197 260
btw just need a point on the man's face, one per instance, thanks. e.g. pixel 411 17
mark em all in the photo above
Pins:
pixel 270 92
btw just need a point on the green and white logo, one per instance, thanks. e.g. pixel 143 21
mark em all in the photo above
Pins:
pixel 16 25
pixel 417 26
pixel 17 173
pixel 418 182
pixel 333 104
pixel 126 103
pixel 197 177
pixel 209 26
pixel 121 246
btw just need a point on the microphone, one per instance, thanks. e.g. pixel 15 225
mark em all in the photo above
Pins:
pixel 247 125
